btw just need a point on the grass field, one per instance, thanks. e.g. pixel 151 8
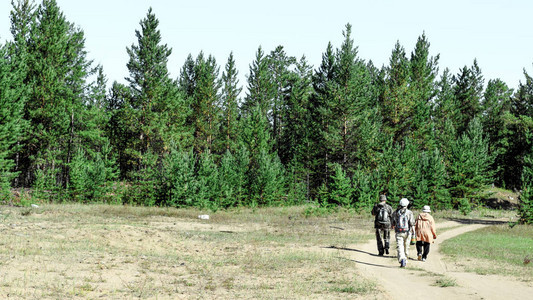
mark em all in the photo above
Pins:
pixel 499 249
pixel 99 251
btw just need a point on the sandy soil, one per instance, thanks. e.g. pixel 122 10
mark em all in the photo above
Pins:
pixel 418 279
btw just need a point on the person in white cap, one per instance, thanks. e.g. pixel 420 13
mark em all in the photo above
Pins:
pixel 403 222
pixel 425 233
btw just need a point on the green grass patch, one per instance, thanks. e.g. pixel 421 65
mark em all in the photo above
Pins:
pixel 497 249
pixel 445 282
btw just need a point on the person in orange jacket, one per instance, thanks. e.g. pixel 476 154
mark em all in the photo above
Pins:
pixel 425 232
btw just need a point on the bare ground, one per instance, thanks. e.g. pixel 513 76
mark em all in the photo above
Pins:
pixel 121 253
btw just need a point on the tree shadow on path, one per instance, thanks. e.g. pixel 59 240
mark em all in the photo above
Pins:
pixel 478 221
pixel 361 262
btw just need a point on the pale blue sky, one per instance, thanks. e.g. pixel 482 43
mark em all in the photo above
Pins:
pixel 498 33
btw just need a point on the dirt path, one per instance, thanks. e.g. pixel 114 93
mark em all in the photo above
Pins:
pixel 418 279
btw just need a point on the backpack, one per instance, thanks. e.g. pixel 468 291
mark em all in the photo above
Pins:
pixel 402 221
pixel 383 216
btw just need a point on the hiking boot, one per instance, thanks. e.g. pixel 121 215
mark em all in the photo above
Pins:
pixel 403 262
pixel 386 251
pixel 419 256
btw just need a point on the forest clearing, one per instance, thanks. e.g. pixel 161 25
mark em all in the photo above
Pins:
pixel 121 252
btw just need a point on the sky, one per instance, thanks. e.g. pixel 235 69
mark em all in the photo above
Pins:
pixel 498 34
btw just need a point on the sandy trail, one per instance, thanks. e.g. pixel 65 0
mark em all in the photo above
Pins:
pixel 418 279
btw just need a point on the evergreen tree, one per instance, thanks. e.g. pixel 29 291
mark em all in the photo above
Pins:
pixel 468 91
pixel 340 189
pixel 261 90
pixel 12 125
pixel 230 106
pixel 232 178
pixel 346 101
pixel 187 77
pixel 179 183
pixel 57 72
pixel 208 194
pixel 518 125
pixel 525 210
pixel 205 103
pixel 469 167
pixel 430 181
pixel 159 109
pixel 321 112
pixel 495 110
pixel 397 105
pixel 295 143
pixel 423 72
pixel 281 77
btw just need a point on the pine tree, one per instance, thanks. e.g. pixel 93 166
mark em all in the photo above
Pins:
pixel 295 143
pixel 423 72
pixel 321 112
pixel 525 210
pixel 281 77
pixel 179 184
pixel 468 167
pixel 205 103
pixel 468 91
pixel 495 109
pixel 430 181
pixel 232 178
pixel 159 108
pixel 57 72
pixel 261 90
pixel 397 105
pixel 208 194
pixel 339 187
pixel 229 128
pixel 12 125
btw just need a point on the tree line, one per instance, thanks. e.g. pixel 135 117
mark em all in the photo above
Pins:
pixel 337 135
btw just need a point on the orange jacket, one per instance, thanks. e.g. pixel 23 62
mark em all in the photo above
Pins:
pixel 425 228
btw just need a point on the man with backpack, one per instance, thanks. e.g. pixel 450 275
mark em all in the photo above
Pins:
pixel 382 223
pixel 403 222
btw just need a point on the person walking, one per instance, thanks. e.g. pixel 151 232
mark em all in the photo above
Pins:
pixel 425 233
pixel 403 223
pixel 382 223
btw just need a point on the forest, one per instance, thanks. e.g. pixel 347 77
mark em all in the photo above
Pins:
pixel 336 135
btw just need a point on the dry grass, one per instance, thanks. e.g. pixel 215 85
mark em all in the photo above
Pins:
pixel 100 251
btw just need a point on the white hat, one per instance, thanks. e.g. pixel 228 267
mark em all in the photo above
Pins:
pixel 426 209
pixel 404 202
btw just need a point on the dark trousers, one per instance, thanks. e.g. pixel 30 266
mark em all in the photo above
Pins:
pixel 422 248
pixel 383 239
